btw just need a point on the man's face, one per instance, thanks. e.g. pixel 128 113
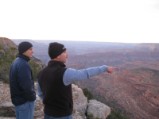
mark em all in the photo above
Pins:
pixel 29 52
pixel 63 57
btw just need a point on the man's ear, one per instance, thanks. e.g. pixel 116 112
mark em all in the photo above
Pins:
pixel 58 57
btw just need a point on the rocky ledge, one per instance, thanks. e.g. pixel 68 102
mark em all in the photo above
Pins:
pixel 83 108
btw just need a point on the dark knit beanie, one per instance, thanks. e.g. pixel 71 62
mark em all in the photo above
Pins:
pixel 55 49
pixel 24 46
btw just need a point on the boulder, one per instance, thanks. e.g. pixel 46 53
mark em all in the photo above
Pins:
pixel 98 110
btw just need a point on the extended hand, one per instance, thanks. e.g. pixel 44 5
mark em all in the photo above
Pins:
pixel 112 69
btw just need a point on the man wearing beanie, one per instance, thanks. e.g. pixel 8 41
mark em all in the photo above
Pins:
pixel 21 83
pixel 55 82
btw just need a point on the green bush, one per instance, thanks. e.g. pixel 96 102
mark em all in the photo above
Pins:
pixel 88 94
pixel 6 60
pixel 35 68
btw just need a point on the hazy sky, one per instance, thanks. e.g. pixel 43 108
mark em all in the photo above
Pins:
pixel 95 20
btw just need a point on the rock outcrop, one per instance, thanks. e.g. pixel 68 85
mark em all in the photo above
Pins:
pixel 92 108
pixel 82 107
pixel 79 101
pixel 97 109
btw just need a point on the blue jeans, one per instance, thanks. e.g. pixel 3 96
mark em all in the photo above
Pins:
pixel 50 117
pixel 25 111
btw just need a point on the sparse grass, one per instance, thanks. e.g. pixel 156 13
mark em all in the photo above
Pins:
pixel 116 115
pixel 91 117
pixel 7 112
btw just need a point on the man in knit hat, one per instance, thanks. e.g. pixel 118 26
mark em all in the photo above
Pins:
pixel 55 82
pixel 21 83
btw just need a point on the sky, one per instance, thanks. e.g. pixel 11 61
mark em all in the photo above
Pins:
pixel 132 21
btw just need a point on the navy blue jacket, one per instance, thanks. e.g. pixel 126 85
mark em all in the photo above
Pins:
pixel 21 81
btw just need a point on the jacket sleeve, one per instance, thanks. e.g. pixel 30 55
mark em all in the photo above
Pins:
pixel 71 75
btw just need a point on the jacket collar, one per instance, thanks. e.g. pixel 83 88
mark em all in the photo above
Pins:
pixel 53 62
pixel 23 57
